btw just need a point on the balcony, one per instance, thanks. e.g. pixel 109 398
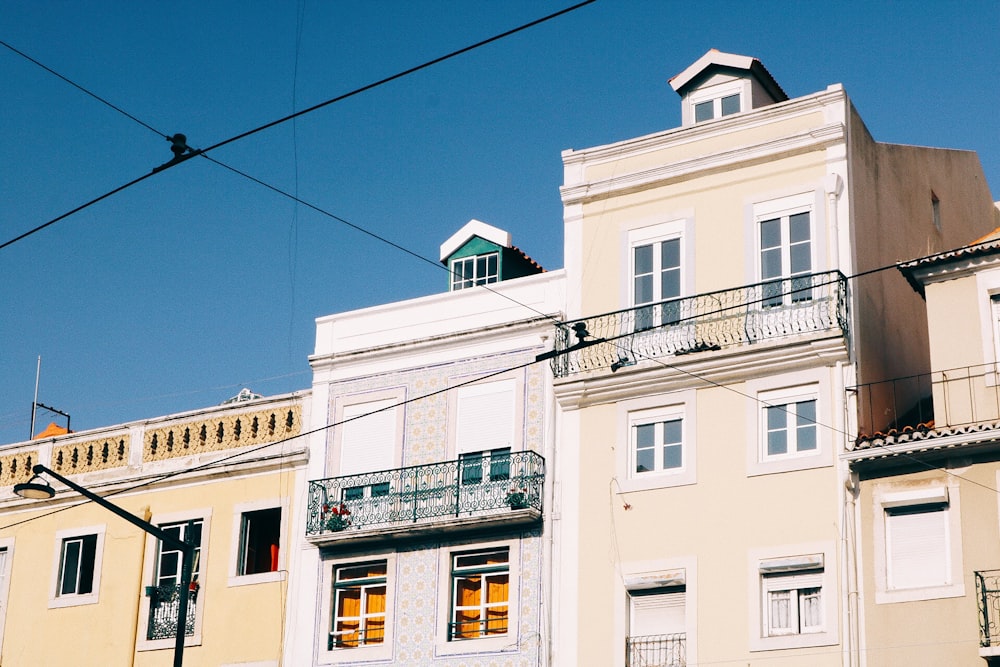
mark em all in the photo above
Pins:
pixel 498 488
pixel 712 321
pixel 988 596
pixel 939 399
pixel 656 651
pixel 164 605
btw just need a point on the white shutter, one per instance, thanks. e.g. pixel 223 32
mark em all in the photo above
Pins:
pixel 917 547
pixel 367 444
pixel 485 417
pixel 656 614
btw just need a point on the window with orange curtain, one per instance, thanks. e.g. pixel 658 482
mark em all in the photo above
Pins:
pixel 480 593
pixel 359 612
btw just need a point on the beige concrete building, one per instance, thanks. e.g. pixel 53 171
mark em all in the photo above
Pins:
pixel 81 586
pixel 714 327
pixel 924 490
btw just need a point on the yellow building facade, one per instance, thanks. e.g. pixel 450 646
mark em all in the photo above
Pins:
pixel 82 586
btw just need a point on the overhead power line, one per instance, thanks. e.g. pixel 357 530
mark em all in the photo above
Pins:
pixel 274 123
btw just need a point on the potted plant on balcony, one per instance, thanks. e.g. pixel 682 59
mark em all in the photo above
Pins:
pixel 337 517
pixel 517 498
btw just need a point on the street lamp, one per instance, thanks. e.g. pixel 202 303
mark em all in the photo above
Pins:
pixel 37 488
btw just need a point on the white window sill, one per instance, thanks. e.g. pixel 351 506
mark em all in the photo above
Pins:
pixel 805 640
pixel 73 600
pixel 789 463
pixel 478 645
pixel 914 594
pixel 373 653
pixel 261 578
pixel 657 480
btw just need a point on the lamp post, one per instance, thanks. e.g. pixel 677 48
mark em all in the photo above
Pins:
pixel 37 489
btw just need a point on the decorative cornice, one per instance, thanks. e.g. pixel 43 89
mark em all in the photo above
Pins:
pixel 788 145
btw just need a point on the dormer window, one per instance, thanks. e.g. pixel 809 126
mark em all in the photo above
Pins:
pixel 721 106
pixel 472 271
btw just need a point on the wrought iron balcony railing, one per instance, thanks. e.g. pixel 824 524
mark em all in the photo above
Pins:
pixel 486 483
pixel 988 595
pixel 164 604
pixel 656 651
pixel 495 625
pixel 711 321
pixel 954 397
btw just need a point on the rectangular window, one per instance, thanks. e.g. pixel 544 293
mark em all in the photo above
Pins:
pixel 368 436
pixel 485 416
pixel 656 627
pixel 656 277
pixel 790 428
pixel 658 446
pixel 480 594
pixel 786 255
pixel 76 565
pixel 165 593
pixel 793 603
pixel 260 533
pixel 359 605
pixel 917 551
pixel 472 271
pixel 479 467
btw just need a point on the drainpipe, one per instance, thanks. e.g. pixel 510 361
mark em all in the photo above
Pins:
pixel 849 542
pixel 146 515
pixel 545 643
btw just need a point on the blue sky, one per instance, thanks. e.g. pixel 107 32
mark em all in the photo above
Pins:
pixel 172 295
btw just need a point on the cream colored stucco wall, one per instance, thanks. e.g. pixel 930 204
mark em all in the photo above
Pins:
pixel 717 202
pixel 241 624
pixel 954 322
pixel 715 523
pixel 941 631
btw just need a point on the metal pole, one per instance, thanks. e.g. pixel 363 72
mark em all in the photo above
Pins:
pixel 34 403
pixel 186 549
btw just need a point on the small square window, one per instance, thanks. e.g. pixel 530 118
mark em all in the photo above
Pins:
pixel 790 428
pixel 473 271
pixel 480 594
pixel 658 446
pixel 260 533
pixel 793 603
pixel 76 565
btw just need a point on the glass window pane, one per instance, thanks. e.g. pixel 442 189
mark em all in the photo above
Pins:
pixel 643 289
pixel 670 284
pixel 776 417
pixel 644 460
pixel 670 254
pixel 770 234
pixel 71 565
pixel 672 431
pixel 801 258
pixel 780 617
pixel 672 456
pixel 645 435
pixel 643 259
pixel 703 111
pixel 798 227
pixel 730 104
pixel 770 264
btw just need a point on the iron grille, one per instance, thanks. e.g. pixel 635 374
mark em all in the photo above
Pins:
pixel 414 494
pixel 656 651
pixel 712 321
pixel 164 602
pixel 988 595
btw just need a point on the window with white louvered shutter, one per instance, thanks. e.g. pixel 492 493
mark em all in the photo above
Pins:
pixel 368 444
pixel 485 417
pixel 916 550
pixel 656 613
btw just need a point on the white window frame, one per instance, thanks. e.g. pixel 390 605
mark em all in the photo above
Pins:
pixel 809 565
pixel 781 205
pixel 665 407
pixel 149 567
pixel 368 652
pixel 788 406
pixel 779 390
pixel 459 283
pixel 56 599
pixel 714 94
pixel 894 496
pixel 7 547
pixel 490 643
pixel 794 584
pixel 236 557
